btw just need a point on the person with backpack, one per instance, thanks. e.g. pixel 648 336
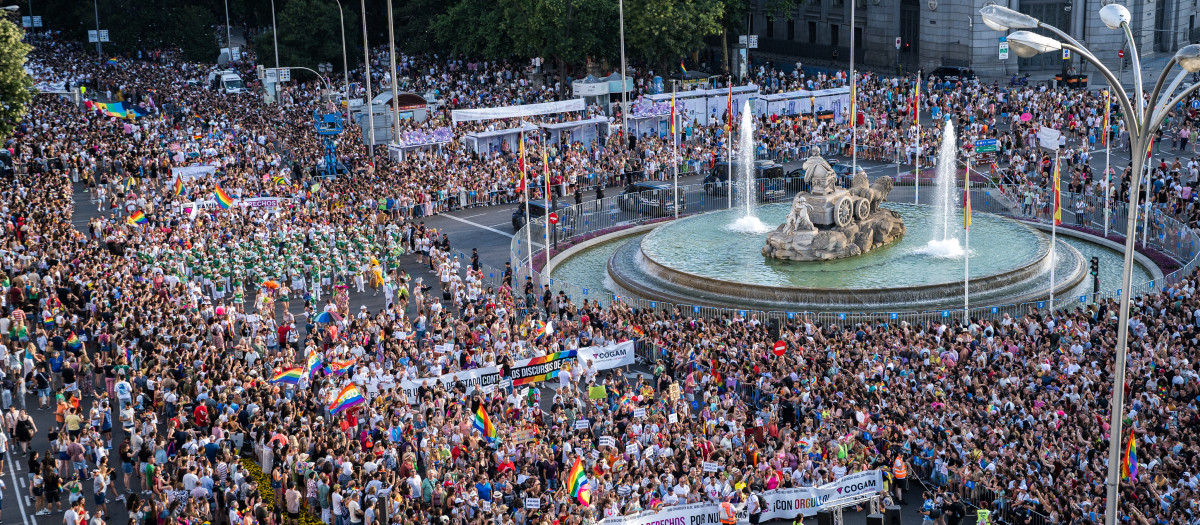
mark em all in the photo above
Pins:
pixel 755 505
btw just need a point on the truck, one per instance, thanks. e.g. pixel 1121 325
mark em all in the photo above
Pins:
pixel 226 80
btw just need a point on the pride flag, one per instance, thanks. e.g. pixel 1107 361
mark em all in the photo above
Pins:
pixel 112 61
pixel 580 490
pixel 340 367
pixel 73 341
pixel 223 199
pixel 290 376
pixel 1057 196
pixel 541 361
pixel 349 397
pixel 484 425
pixel 1129 465
pixel 684 69
pixel 314 362
pixel 178 185
pixel 138 218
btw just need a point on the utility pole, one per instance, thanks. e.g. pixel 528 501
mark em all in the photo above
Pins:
pixel 228 31
pixel 624 101
pixel 392 53
pixel 99 50
pixel 367 65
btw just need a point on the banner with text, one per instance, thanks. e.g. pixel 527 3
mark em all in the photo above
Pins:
pixel 608 357
pixel 779 504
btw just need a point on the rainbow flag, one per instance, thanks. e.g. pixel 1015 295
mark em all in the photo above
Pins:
pixel 569 354
pixel 484 425
pixel 73 341
pixel 178 185
pixel 681 68
pixel 349 397
pixel 340 367
pixel 1107 107
pixel 137 218
pixel 637 331
pixel 578 484
pixel 1129 465
pixel 290 376
pixel 314 363
pixel 112 61
pixel 673 106
pixel 537 328
pixel 278 179
pixel 223 199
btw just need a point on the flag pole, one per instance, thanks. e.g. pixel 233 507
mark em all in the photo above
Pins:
pixel 675 152
pixel 549 210
pixel 1057 214
pixel 967 245
pixel 1107 159
pixel 917 141
pixel 729 158
pixel 525 194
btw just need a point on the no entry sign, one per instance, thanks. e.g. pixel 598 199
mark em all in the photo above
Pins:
pixel 780 348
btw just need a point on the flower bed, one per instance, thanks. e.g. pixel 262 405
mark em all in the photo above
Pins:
pixel 264 488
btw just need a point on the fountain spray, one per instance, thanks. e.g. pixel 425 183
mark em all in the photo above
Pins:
pixel 748 222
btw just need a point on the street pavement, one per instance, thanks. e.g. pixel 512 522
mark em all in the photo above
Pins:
pixel 488 229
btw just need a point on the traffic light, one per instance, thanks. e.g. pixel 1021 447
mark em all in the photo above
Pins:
pixel 1095 264
pixel 260 72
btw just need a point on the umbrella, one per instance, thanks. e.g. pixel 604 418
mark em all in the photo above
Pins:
pixel 327 317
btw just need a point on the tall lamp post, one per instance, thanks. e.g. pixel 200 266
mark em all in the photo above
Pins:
pixel 345 62
pixel 1142 123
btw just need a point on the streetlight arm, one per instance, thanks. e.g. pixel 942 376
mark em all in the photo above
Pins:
pixel 1174 85
pixel 1162 77
pixel 1161 114
pixel 1132 120
pixel 1137 70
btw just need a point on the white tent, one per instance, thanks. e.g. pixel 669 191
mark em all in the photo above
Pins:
pixel 585 132
pixel 498 140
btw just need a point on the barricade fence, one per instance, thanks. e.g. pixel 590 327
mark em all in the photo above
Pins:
pixel 590 220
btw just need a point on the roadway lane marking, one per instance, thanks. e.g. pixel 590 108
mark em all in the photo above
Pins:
pixel 483 227
pixel 20 501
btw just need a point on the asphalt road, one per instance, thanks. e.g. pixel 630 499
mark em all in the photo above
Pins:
pixel 488 229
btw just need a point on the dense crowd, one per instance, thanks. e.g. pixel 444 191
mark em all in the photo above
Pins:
pixel 181 329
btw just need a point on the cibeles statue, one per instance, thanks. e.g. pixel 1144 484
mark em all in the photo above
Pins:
pixel 831 222
pixel 819 175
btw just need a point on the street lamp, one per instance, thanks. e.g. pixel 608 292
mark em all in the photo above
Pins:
pixel 1142 125
pixel 345 63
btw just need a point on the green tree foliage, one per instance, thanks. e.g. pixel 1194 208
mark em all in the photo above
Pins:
pixel 139 25
pixel 310 33
pixel 15 84
pixel 662 31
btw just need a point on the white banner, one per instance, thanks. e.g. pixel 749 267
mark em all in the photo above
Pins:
pixel 528 110
pixel 1048 137
pixel 474 378
pixel 608 357
pixel 256 202
pixel 779 504
pixel 188 173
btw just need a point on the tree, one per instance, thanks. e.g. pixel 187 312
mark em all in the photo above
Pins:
pixel 310 33
pixel 16 86
pixel 663 31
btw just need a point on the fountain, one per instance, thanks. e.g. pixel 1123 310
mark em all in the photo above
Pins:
pixel 746 197
pixel 943 244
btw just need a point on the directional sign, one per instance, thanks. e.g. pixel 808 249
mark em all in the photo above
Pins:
pixel 553 218
pixel 985 146
pixel 92 36
pixel 104 35
pixel 26 21
pixel 1196 104
pixel 285 74
pixel 780 348
pixel 37 21
pixel 1003 48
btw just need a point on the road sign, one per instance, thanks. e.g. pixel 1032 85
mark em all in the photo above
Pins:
pixel 753 42
pixel 1196 104
pixel 92 36
pixel 285 74
pixel 235 54
pixel 553 218
pixel 1003 48
pixel 780 348
pixel 37 21
pixel 1121 53
pixel 26 21
pixel 272 76
pixel 1066 54
pixel 985 146
pixel 897 43
pixel 104 35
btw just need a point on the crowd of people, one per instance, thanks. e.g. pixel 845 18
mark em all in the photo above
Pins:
pixel 253 378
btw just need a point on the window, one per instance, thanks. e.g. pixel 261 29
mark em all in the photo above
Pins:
pixel 834 31
pixel 812 32
pixel 792 29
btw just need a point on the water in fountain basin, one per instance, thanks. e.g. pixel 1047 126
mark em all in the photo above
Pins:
pixel 943 243
pixel 747 222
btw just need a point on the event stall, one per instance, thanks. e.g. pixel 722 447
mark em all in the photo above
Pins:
pixel 829 103
pixel 706 106
pixel 587 132
pixel 498 140
pixel 527 110
pixel 415 140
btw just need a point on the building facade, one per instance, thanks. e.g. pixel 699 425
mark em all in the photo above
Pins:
pixel 935 33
